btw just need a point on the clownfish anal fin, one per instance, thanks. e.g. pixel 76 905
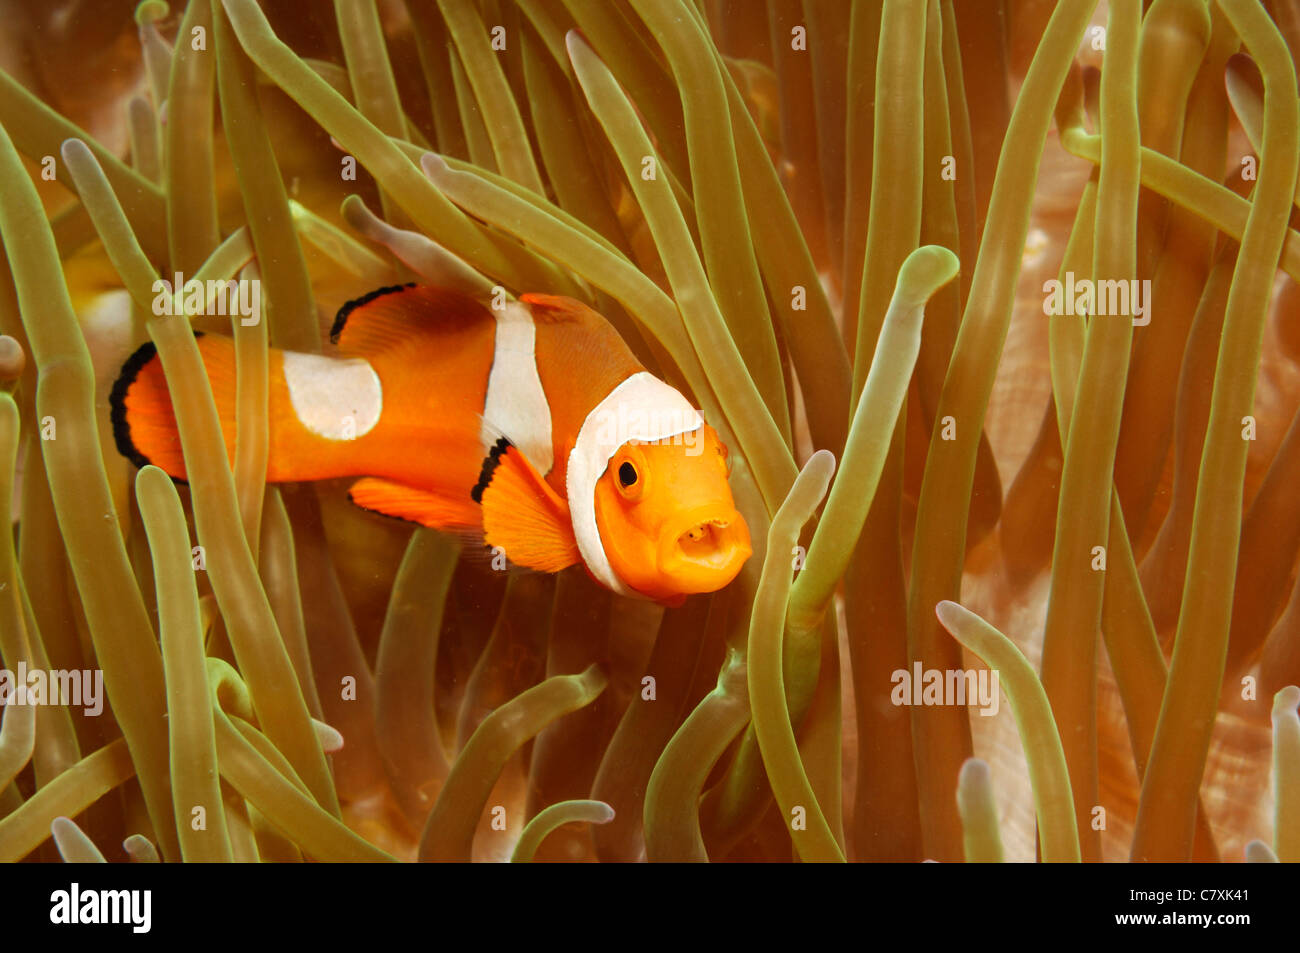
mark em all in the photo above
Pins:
pixel 522 515
pixel 417 506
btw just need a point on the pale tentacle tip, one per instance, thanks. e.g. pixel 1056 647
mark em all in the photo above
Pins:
pixel 140 849
pixel 949 612
pixel 1258 852
pixel 330 738
pixel 12 358
pixel 974 770
pixel 434 165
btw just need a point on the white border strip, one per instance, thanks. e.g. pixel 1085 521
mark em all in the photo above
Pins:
pixel 338 399
pixel 516 403
pixel 642 408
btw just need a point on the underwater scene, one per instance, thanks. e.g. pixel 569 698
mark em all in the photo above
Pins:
pixel 650 430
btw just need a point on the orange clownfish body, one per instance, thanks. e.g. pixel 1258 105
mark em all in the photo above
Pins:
pixel 531 427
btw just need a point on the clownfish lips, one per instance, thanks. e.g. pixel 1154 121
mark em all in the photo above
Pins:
pixel 703 549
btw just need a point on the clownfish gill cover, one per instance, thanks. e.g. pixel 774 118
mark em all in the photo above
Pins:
pixel 650 430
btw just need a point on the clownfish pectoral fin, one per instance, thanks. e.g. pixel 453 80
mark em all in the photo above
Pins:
pixel 418 506
pixel 522 514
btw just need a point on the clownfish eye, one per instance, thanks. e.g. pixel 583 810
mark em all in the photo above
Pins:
pixel 628 474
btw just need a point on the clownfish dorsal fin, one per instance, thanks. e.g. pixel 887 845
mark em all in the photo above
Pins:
pixel 401 314
pixel 410 503
pixel 522 514
pixel 555 308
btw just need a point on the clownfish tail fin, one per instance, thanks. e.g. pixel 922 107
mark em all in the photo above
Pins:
pixel 144 423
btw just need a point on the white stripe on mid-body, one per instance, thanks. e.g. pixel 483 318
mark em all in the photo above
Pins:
pixel 335 398
pixel 516 404
pixel 641 408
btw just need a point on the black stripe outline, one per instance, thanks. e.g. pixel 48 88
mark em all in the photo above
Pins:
pixel 490 464
pixel 131 369
pixel 345 312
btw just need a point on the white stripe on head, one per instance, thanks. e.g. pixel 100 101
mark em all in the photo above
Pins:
pixel 335 398
pixel 516 404
pixel 641 408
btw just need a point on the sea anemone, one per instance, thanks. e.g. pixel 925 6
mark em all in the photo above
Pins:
pixel 851 232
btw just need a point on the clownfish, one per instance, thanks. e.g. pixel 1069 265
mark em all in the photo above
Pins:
pixel 530 428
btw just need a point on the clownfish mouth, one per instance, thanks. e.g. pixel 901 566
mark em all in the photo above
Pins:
pixel 703 550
